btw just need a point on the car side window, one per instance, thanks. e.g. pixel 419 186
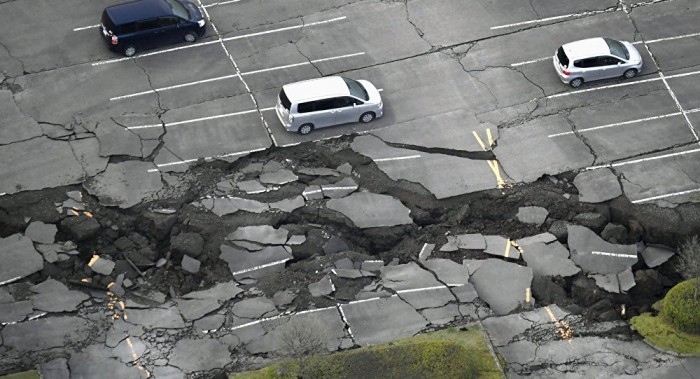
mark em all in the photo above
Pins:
pixel 342 102
pixel 608 61
pixel 147 24
pixel 305 107
pixel 167 21
pixel 127 28
pixel 356 101
pixel 325 104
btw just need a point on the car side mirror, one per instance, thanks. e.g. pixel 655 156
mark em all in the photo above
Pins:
pixel 354 105
pixel 619 63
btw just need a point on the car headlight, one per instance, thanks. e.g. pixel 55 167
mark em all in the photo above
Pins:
pixel 381 104
pixel 201 23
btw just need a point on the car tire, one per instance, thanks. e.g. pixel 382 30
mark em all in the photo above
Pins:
pixel 629 74
pixel 129 50
pixel 306 129
pixel 575 83
pixel 190 36
pixel 367 117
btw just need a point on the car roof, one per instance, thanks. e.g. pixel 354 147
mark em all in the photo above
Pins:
pixel 586 48
pixel 137 10
pixel 332 86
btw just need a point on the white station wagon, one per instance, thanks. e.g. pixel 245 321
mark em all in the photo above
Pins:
pixel 594 59
pixel 319 103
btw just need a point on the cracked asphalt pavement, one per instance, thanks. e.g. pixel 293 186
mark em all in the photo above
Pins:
pixel 157 220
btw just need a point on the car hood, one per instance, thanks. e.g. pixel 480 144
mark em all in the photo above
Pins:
pixel 196 13
pixel 374 96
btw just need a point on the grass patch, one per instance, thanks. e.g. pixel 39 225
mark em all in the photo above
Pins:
pixel 33 374
pixel 664 335
pixel 449 353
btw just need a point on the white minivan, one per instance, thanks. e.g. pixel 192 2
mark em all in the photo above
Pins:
pixel 318 103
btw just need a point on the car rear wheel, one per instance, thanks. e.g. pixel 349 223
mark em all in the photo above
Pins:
pixel 575 83
pixel 306 129
pixel 367 117
pixel 130 50
pixel 190 36
pixel 629 74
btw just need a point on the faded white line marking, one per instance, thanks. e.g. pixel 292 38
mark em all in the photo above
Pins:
pixel 602 88
pixel 572 15
pixel 397 158
pixel 673 38
pixel 162 89
pixel 221 3
pixel 615 124
pixel 665 196
pixel 266 265
pixel 10 280
pixel 302 63
pixel 218 40
pixel 615 255
pixel 86 27
pixel 528 62
pixel 205 158
pixel 642 160
pixel 192 120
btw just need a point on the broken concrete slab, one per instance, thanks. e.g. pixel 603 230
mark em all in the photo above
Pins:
pixel 190 264
pixel 442 315
pixel 63 301
pixel 278 177
pixel 120 330
pixel 296 240
pixel 608 282
pixel 168 372
pixel 313 192
pixel 96 360
pixel 342 188
pixel 472 241
pixel 45 333
pixel 130 349
pixel 163 318
pixel 263 234
pixel 425 251
pixel 626 280
pixel 254 308
pixel 15 311
pixel 317 171
pixel 191 244
pixel 541 238
pixel 335 245
pixel 284 298
pixel 101 265
pixel 594 255
pixel 195 309
pixel 352 273
pixel 39 232
pixel 447 271
pixel 222 206
pixel 256 264
pixel 288 205
pixel 16 125
pixel 49 285
pixel 251 186
pixel 125 184
pixel 55 369
pixel 204 354
pixel 369 210
pixel 323 287
pixel 212 322
pixel 465 293
pixel 221 292
pixel 117 140
pixel 407 276
pixel 503 296
pixel 382 320
pixel 656 255
pixel 427 298
pixel 532 215
pixel 19 251
pixel 597 186
pixel 502 247
pixel 550 259
pixel 81 227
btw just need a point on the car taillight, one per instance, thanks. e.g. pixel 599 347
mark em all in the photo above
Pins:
pixel 566 72
pixel 115 40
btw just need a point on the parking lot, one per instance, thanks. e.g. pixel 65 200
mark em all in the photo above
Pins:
pixel 448 78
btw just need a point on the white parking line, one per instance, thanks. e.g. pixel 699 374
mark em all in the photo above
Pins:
pixel 86 27
pixel 528 62
pixel 234 76
pixel 616 124
pixel 642 160
pixel 397 158
pixel 186 161
pixel 572 15
pixel 222 39
pixel 196 119
pixel 615 255
pixel 623 84
pixel 221 3
pixel 665 196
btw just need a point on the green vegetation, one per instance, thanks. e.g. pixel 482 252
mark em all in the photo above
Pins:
pixel 662 334
pixel 682 306
pixel 33 374
pixel 449 353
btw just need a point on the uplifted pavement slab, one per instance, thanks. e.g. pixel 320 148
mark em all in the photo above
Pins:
pixel 342 188
pixel 39 232
pixel 221 292
pixel 381 320
pixel 45 333
pixel 168 372
pixel 407 277
pixel 41 163
pixel 323 287
pixel 370 210
pixel 325 324
pixel 195 309
pixel 125 184
pixel 222 206
pixel 60 301
pixel 442 315
pixel 532 215
pixel 502 247
pixel 256 264
pixel 14 312
pixel 192 355
pixel 55 369
pixel 503 296
pixel 443 175
pixel 96 361
pixel 165 318
pixel 19 258
pixel 549 259
pixel 503 329
pixel 130 349
pixel 474 241
pixel 263 234
pixel 615 283
pixel 539 238
pixel 120 330
pixel 447 271
pixel 428 298
pixel 278 177
pixel 254 308
pixel 597 186
pixel 655 255
pixel 288 205
pixel 595 255
pixel 117 140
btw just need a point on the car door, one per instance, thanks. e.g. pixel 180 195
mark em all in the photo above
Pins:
pixel 323 114
pixel 588 69
pixel 610 67
pixel 144 33
pixel 346 110
pixel 168 31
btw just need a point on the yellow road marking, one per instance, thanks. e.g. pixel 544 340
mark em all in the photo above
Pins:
pixel 478 139
pixel 507 252
pixel 493 164
pixel 488 134
pixel 551 315
pixel 527 295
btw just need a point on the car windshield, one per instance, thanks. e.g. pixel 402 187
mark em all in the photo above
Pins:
pixel 356 89
pixel 284 100
pixel 563 59
pixel 179 9
pixel 617 49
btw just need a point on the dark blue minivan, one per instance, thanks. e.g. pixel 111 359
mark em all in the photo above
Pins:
pixel 144 24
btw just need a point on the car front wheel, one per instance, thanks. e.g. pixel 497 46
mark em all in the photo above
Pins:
pixel 190 36
pixel 629 74
pixel 306 129
pixel 367 117
pixel 130 50
pixel 575 83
